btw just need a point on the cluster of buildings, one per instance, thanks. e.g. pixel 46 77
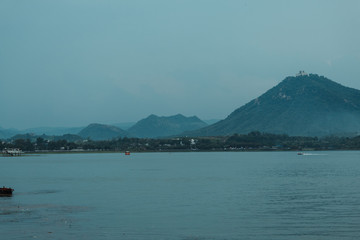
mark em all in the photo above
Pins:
pixel 302 73
pixel 10 152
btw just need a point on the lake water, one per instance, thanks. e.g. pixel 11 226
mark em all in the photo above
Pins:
pixel 186 196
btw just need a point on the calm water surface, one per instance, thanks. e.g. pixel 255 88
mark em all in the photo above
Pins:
pixel 188 196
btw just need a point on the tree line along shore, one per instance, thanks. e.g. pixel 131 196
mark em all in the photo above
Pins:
pixel 253 141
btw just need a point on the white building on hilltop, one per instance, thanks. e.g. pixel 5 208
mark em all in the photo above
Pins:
pixel 302 73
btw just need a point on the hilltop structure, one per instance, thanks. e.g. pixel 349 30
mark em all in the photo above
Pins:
pixel 11 152
pixel 305 105
pixel 301 73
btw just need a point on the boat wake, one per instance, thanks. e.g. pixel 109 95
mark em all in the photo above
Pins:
pixel 315 154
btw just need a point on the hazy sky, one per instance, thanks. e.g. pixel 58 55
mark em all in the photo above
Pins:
pixel 75 62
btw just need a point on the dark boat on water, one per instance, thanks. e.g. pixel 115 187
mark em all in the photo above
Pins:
pixel 4 191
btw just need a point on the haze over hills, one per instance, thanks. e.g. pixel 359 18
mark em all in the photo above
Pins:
pixel 97 131
pixel 49 131
pixel 150 127
pixel 305 105
pixel 53 130
pixel 7 133
pixel 154 126
pixel 124 125
pixel 33 137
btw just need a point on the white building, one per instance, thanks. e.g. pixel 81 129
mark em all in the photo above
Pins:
pixel 302 73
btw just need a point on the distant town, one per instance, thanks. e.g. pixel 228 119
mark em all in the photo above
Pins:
pixel 254 141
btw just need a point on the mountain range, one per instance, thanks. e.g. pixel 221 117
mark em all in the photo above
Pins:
pixel 50 131
pixel 301 105
pixel 151 127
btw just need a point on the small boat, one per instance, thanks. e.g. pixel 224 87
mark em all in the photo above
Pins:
pixel 6 191
pixel 127 153
pixel 300 153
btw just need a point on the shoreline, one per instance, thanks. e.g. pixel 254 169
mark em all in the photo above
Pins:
pixel 172 151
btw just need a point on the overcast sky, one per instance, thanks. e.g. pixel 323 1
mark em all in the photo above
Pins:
pixel 75 62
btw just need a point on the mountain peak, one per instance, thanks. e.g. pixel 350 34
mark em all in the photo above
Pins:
pixel 305 104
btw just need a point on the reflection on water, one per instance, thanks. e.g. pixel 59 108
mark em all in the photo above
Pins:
pixel 183 196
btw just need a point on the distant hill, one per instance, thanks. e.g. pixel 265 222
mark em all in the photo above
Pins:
pixel 154 126
pixel 49 131
pixel 124 125
pixel 29 136
pixel 7 133
pixel 53 130
pixel 97 131
pixel 32 137
pixel 211 121
pixel 306 105
pixel 68 137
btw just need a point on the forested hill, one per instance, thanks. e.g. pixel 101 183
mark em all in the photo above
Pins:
pixel 306 105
